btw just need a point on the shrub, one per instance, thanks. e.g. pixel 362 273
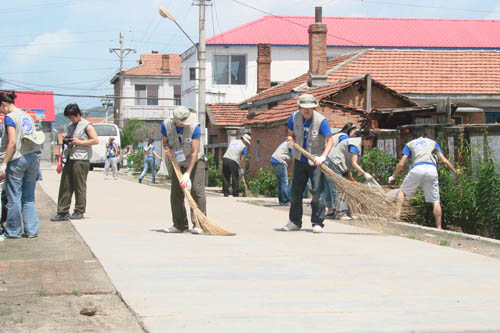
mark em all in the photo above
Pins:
pixel 137 159
pixel 214 178
pixel 265 183
pixel 380 165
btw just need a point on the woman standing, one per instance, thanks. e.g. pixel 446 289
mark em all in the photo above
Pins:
pixel 20 145
pixel 149 160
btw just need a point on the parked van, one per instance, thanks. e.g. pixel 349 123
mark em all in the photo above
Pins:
pixel 104 132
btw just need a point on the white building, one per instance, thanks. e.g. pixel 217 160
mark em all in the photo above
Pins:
pixel 150 90
pixel 231 57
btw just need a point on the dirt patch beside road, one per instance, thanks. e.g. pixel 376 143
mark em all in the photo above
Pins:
pixel 46 281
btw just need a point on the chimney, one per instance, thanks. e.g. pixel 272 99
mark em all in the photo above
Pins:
pixel 317 51
pixel 263 67
pixel 165 65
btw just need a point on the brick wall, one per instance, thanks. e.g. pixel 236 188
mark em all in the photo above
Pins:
pixel 263 67
pixel 474 118
pixel 317 49
pixel 267 139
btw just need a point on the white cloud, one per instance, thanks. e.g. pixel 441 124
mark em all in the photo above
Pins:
pixel 495 14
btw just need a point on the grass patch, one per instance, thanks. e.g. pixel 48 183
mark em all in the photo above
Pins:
pixel 76 293
pixel 444 242
pixel 415 237
pixel 6 311
pixel 42 292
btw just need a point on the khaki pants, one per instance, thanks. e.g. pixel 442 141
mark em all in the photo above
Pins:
pixel 179 214
pixel 73 180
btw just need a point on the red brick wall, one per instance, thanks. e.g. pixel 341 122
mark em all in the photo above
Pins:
pixel 270 138
pixel 380 98
pixel 263 67
pixel 474 118
pixel 317 48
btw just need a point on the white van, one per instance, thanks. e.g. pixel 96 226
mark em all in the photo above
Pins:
pixel 104 132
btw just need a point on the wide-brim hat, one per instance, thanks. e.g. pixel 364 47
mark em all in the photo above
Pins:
pixel 37 137
pixel 307 101
pixel 247 138
pixel 184 116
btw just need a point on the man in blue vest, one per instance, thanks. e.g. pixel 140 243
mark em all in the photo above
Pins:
pixel 310 129
pixel 423 154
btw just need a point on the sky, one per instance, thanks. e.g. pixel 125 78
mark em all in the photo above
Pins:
pixel 63 45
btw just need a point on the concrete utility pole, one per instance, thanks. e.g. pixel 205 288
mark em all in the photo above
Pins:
pixel 106 103
pixel 202 65
pixel 122 52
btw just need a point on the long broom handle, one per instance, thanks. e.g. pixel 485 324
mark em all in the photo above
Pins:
pixel 178 173
pixel 310 156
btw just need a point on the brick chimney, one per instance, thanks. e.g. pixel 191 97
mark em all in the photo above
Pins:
pixel 165 65
pixel 317 51
pixel 263 67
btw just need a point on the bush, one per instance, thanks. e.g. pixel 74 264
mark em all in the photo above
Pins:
pixel 380 165
pixel 214 177
pixel 137 159
pixel 264 184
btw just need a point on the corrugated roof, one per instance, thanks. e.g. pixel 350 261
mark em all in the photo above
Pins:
pixel 150 64
pixel 428 71
pixel 226 114
pixel 367 32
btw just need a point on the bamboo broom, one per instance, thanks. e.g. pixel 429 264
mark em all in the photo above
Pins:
pixel 248 193
pixel 199 218
pixel 363 201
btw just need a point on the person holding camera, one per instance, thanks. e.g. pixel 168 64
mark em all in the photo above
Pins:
pixel 81 135
pixel 111 151
pixel 20 164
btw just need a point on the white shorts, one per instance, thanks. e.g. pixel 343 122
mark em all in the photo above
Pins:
pixel 425 175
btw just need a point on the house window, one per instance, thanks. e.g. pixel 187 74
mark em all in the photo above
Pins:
pixel 192 73
pixel 146 94
pixel 459 120
pixel 492 117
pixel 177 95
pixel 229 69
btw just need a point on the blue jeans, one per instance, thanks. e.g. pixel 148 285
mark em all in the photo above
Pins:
pixel 283 190
pixel 21 179
pixel 149 162
pixel 302 172
pixel 333 198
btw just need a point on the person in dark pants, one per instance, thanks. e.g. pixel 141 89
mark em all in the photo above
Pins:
pixel 280 160
pixel 311 130
pixel 181 135
pixel 234 160
pixel 81 136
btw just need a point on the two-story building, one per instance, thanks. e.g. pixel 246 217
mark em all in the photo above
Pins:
pixel 148 91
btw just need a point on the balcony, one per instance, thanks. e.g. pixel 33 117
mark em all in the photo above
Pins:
pixel 146 112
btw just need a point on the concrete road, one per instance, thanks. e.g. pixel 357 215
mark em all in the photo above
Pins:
pixel 344 280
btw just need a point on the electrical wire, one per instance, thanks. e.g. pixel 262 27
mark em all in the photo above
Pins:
pixel 60 71
pixel 57 43
pixel 43 6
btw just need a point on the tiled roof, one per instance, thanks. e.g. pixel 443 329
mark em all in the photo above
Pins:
pixel 428 71
pixel 367 32
pixel 226 114
pixel 282 111
pixel 95 120
pixel 150 64
pixel 289 86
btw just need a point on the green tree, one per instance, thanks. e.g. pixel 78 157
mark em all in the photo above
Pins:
pixel 133 132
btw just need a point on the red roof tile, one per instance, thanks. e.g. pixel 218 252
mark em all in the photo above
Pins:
pixel 428 71
pixel 367 32
pixel 95 120
pixel 282 111
pixel 150 64
pixel 226 114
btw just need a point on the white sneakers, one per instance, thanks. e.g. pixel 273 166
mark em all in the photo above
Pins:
pixel 346 218
pixel 317 229
pixel 196 231
pixel 290 226
pixel 173 230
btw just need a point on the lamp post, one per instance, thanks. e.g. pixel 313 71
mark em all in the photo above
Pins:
pixel 201 60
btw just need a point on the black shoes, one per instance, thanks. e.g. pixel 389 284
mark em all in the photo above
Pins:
pixel 60 218
pixel 76 216
pixel 140 180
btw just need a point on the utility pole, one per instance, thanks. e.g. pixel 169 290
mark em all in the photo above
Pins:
pixel 106 103
pixel 122 52
pixel 202 64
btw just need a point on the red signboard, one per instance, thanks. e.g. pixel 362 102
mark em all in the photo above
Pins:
pixel 39 104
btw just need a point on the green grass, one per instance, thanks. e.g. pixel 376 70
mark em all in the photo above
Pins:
pixel 444 242
pixel 5 311
pixel 414 236
pixel 76 293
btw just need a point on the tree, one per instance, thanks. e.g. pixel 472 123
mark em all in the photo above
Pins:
pixel 133 132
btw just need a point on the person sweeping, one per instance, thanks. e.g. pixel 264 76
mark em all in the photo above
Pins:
pixel 181 135
pixel 311 130
pixel 233 164
pixel 423 154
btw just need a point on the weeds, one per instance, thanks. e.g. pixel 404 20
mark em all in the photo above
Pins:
pixel 6 311
pixel 444 242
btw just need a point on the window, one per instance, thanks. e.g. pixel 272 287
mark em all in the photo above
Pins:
pixel 459 120
pixel 177 95
pixel 105 130
pixel 146 94
pixel 192 73
pixel 229 69
pixel 257 150
pixel 492 117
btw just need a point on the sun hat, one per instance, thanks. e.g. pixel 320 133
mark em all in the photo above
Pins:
pixel 307 101
pixel 247 138
pixel 183 116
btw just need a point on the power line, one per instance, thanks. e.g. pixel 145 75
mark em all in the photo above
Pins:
pixel 406 4
pixel 42 93
pixel 23 85
pixel 293 22
pixel 57 43
pixel 57 57
pixel 60 71
pixel 41 6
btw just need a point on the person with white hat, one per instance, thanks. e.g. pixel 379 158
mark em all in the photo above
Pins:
pixel 312 131
pixel 181 135
pixel 19 167
pixel 234 159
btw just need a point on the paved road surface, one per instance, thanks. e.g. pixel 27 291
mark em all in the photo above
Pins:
pixel 346 279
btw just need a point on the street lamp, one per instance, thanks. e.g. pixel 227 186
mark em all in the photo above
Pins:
pixel 201 60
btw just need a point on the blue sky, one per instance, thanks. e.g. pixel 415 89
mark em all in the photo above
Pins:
pixel 63 45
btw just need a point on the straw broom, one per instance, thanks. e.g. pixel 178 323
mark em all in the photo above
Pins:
pixel 199 218
pixel 363 201
pixel 248 193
